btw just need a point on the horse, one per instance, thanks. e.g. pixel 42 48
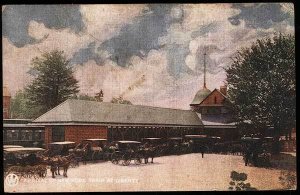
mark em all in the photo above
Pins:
pixel 59 161
pixel 148 152
pixel 80 152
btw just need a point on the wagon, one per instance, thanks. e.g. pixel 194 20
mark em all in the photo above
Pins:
pixel 126 152
pixel 24 162
pixel 152 140
pixel 60 148
pixel 63 149
pixel 95 150
pixel 197 142
pixel 174 145
pixel 255 152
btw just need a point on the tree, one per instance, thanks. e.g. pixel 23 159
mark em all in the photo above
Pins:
pixel 262 84
pixel 120 100
pixel 237 182
pixel 20 107
pixel 85 97
pixel 54 81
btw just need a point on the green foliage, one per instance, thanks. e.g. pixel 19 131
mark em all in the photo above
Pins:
pixel 262 84
pixel 54 81
pixel 120 100
pixel 235 176
pixel 84 97
pixel 20 107
pixel 237 182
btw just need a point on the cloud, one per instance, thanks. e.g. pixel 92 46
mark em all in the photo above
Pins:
pixel 150 54
pixel 16 19
pixel 140 36
pixel 259 15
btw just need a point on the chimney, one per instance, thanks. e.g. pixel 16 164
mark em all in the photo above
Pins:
pixel 223 89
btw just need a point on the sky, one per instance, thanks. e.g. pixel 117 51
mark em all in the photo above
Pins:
pixel 149 54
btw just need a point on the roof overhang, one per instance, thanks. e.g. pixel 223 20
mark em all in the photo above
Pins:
pixel 220 127
pixel 110 124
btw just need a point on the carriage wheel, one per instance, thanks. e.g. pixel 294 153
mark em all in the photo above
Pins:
pixel 138 159
pixel 126 160
pixel 115 161
pixel 114 158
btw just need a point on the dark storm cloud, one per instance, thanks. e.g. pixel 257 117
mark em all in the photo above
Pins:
pixel 259 15
pixel 140 36
pixel 85 54
pixel 176 56
pixel 16 19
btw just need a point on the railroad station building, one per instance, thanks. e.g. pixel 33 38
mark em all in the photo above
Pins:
pixel 213 108
pixel 75 120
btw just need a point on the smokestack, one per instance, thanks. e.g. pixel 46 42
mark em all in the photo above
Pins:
pixel 223 89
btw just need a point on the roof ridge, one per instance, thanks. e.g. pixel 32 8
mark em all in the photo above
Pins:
pixel 133 105
pixel 54 108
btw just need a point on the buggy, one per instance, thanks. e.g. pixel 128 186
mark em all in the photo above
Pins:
pixel 126 151
pixel 24 162
pixel 95 148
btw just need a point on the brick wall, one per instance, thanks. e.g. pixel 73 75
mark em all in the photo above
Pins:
pixel 214 96
pixel 48 135
pixel 6 107
pixel 77 133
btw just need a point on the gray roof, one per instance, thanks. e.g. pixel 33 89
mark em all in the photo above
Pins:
pixel 83 111
pixel 200 96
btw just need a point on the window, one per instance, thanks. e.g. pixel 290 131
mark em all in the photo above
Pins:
pixel 214 111
pixel 14 134
pixel 23 135
pixel 204 111
pixel 9 135
pixel 29 135
pixel 58 134
pixel 215 100
pixel 38 135
pixel 223 110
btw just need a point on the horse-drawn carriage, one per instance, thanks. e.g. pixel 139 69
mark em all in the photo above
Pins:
pixel 24 162
pixel 199 143
pixel 60 148
pixel 126 151
pixel 63 149
pixel 257 151
pixel 95 148
pixel 173 146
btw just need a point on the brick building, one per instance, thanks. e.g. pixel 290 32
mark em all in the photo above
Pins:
pixel 214 111
pixel 75 120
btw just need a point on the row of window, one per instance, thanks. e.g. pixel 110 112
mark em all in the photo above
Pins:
pixel 24 135
pixel 221 110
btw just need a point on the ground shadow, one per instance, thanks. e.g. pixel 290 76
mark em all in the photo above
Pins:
pixel 283 161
